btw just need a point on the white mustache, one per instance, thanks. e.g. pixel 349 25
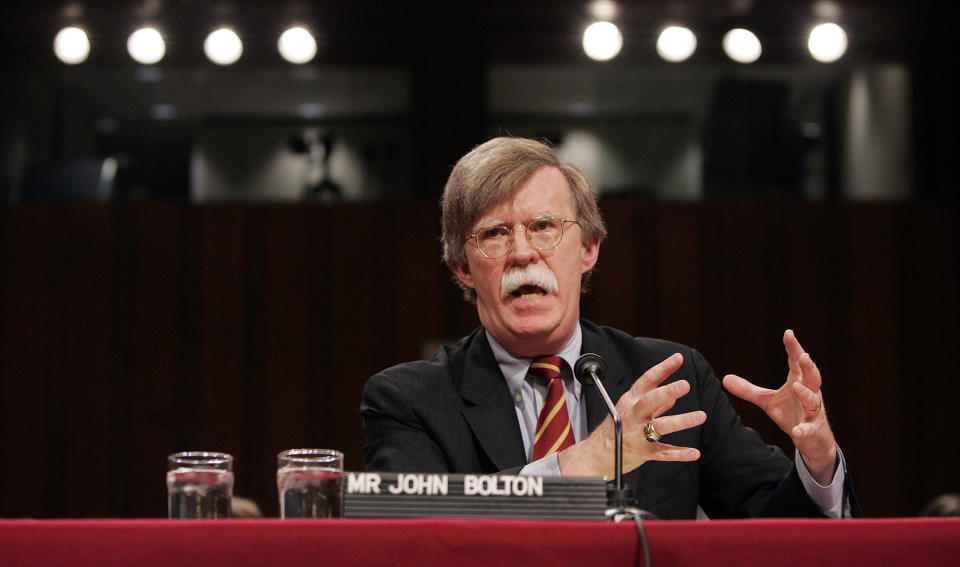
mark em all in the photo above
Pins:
pixel 531 274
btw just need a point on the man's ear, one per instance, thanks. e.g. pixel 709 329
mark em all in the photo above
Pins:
pixel 589 255
pixel 462 270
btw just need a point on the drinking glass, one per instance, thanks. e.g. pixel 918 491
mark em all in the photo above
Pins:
pixel 310 483
pixel 199 484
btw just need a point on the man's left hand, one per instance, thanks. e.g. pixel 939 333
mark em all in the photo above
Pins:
pixel 797 408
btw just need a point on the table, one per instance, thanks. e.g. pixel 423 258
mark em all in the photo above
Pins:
pixel 475 542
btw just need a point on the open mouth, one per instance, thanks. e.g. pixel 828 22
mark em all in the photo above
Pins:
pixel 529 292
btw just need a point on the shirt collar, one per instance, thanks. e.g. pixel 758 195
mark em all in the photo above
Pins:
pixel 514 368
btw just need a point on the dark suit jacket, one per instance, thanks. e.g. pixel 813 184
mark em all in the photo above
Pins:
pixel 455 414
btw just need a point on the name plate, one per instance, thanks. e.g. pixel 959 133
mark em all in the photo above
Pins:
pixel 417 495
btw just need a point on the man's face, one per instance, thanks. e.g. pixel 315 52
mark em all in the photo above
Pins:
pixel 530 320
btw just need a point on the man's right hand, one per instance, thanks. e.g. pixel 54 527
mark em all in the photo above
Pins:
pixel 646 400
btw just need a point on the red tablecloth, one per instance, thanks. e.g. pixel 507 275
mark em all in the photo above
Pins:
pixel 465 543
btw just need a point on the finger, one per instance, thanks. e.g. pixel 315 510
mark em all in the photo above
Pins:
pixel 794 352
pixel 792 344
pixel 666 452
pixel 660 398
pixel 744 389
pixel 803 430
pixel 811 401
pixel 667 424
pixel 811 374
pixel 662 410
pixel 653 377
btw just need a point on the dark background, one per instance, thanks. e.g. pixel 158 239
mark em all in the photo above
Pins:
pixel 135 328
pixel 133 331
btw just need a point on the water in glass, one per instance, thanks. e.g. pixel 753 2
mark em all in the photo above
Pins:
pixel 310 492
pixel 199 493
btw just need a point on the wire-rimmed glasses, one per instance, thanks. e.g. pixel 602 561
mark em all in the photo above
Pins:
pixel 543 233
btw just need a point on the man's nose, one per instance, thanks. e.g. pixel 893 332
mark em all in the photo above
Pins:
pixel 521 249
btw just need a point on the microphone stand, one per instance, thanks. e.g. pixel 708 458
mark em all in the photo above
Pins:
pixel 620 511
pixel 589 368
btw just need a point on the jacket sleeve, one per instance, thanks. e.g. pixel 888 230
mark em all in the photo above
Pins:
pixel 740 475
pixel 397 440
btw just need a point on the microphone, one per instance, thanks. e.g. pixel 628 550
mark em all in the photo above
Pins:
pixel 588 370
pixel 588 366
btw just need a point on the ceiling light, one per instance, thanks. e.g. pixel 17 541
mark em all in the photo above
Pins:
pixel 146 46
pixel 163 111
pixel 311 110
pixel 223 47
pixel 297 45
pixel 71 45
pixel 676 44
pixel 827 43
pixel 826 9
pixel 602 41
pixel 741 45
pixel 603 9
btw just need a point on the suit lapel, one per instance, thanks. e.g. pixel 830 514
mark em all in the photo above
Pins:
pixel 488 407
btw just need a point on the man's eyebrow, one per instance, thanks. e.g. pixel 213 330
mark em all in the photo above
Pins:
pixel 546 215
pixel 499 222
pixel 490 223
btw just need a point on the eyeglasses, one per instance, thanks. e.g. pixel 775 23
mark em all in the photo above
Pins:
pixel 543 233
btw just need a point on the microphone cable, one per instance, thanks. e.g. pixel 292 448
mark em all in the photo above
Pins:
pixel 642 534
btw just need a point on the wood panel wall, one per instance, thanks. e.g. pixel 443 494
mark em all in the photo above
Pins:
pixel 135 330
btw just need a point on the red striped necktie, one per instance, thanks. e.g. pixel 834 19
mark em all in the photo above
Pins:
pixel 553 426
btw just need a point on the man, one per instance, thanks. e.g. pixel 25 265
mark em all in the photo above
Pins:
pixel 522 233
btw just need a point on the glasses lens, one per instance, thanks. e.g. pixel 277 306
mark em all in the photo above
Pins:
pixel 545 233
pixel 494 241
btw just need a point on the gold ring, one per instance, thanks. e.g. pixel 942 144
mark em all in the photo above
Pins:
pixel 817 409
pixel 650 432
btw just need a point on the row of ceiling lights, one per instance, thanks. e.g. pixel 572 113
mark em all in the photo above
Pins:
pixel 147 47
pixel 602 41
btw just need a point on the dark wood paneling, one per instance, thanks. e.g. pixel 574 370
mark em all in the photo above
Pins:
pixel 281 407
pixel 150 306
pixel 680 300
pixel 83 380
pixel 29 306
pixel 929 305
pixel 621 269
pixel 132 331
pixel 876 334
